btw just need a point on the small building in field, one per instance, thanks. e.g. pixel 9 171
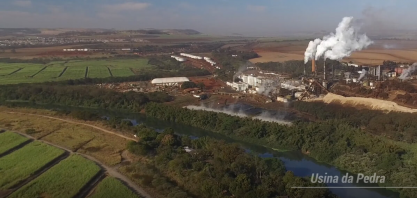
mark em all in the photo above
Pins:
pixel 171 81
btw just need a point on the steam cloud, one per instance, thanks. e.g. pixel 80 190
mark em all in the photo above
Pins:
pixel 241 69
pixel 362 74
pixel 264 116
pixel 338 45
pixel 311 50
pixel 407 72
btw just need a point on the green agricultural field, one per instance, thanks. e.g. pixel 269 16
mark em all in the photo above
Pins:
pixel 73 72
pixel 20 164
pixel 9 140
pixel 98 72
pixel 33 73
pixel 111 188
pixel 64 180
pixel 51 73
pixel 4 71
pixel 27 72
pixel 121 71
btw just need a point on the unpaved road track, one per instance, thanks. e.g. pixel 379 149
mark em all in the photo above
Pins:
pixel 111 171
pixel 73 122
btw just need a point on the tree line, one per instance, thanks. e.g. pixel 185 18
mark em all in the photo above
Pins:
pixel 212 168
pixel 86 96
pixel 333 140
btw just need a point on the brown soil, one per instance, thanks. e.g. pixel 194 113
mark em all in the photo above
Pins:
pixel 367 102
pixel 211 84
pixel 401 51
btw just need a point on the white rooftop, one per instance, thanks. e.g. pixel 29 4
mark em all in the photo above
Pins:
pixel 170 80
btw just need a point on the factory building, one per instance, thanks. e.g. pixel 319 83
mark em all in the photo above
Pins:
pixel 238 86
pixel 191 56
pixel 172 81
pixel 212 63
pixel 178 58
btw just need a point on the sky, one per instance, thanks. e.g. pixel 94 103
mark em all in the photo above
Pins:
pixel 247 17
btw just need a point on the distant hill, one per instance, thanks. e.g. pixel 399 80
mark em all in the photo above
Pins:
pixel 182 31
pixel 168 31
pixel 89 32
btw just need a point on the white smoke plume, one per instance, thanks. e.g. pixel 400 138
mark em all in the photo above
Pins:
pixel 407 72
pixel 364 72
pixel 264 116
pixel 241 69
pixel 340 44
pixel 311 50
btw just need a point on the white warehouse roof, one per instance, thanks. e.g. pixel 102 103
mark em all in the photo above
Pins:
pixel 170 80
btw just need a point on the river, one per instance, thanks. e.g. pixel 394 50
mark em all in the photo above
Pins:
pixel 300 164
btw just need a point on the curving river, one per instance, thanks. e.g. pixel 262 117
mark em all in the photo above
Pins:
pixel 300 164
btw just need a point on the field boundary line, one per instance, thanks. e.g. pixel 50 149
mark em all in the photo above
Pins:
pixel 111 74
pixel 90 185
pixel 80 123
pixel 63 71
pixel 15 71
pixel 111 171
pixel 16 147
pixel 39 71
pixel 86 72
pixel 131 69
pixel 40 171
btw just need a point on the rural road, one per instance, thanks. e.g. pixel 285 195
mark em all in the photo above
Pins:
pixel 73 122
pixel 111 171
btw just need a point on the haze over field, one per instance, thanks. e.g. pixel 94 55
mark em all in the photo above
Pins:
pixel 251 18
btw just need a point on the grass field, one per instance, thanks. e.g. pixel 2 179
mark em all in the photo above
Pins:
pixel 9 140
pixel 33 73
pixel 98 72
pixel 104 147
pixel 64 180
pixel 20 164
pixel 111 188
pixel 70 137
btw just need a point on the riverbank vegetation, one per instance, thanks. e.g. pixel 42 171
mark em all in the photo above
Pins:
pixel 211 168
pixel 333 140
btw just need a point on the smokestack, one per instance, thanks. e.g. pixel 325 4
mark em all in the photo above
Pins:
pixel 304 69
pixel 332 71
pixel 313 65
pixel 324 76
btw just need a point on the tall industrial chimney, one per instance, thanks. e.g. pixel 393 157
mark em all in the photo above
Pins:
pixel 304 69
pixel 324 69
pixel 313 65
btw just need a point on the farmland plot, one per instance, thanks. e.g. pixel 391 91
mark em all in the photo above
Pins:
pixel 98 72
pixel 50 73
pixel 64 180
pixel 9 140
pixel 75 72
pixel 110 188
pixel 20 164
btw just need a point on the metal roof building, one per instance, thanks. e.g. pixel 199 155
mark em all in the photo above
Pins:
pixel 172 81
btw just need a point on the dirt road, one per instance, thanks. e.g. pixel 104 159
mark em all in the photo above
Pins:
pixel 111 171
pixel 73 122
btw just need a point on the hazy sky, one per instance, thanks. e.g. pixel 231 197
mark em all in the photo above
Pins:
pixel 248 17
